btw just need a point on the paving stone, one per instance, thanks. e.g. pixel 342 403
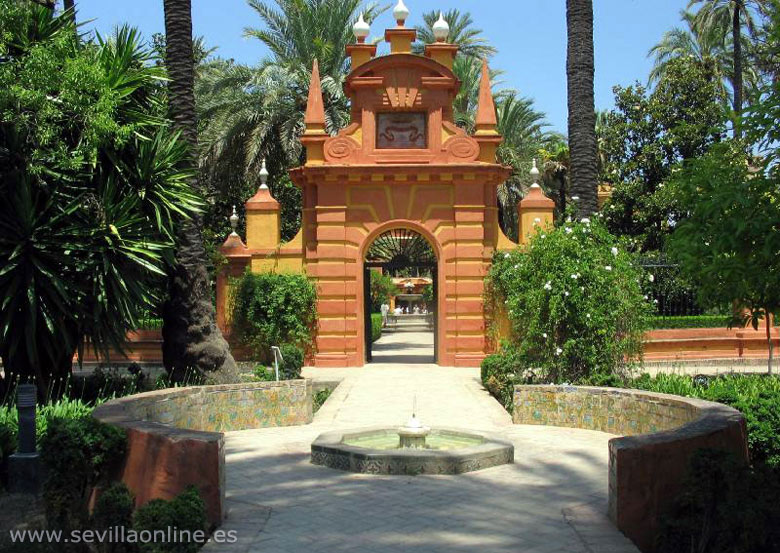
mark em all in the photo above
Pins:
pixel 552 499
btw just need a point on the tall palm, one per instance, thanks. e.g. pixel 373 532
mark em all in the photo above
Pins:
pixel 582 112
pixel 191 339
pixel 728 17
pixel 298 32
pixel 462 33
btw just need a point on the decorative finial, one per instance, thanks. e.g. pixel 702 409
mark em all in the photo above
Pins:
pixel 263 176
pixel 534 174
pixel 401 13
pixel 234 222
pixel 441 29
pixel 361 29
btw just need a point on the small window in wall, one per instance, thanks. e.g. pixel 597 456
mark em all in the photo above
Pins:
pixel 403 130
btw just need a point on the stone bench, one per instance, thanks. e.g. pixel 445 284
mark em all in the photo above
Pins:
pixel 659 435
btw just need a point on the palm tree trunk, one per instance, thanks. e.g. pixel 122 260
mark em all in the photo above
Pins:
pixel 70 5
pixel 736 30
pixel 582 112
pixel 191 339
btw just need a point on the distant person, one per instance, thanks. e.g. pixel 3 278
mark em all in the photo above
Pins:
pixel 384 309
pixel 416 310
pixel 397 311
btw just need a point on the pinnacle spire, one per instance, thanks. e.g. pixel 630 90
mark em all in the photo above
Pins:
pixel 486 121
pixel 314 119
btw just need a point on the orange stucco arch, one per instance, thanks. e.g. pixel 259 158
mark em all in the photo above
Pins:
pixel 418 227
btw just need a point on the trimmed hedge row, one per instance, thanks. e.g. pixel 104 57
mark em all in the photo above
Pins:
pixel 376 326
pixel 688 321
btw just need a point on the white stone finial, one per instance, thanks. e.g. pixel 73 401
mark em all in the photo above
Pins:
pixel 401 13
pixel 234 222
pixel 361 29
pixel 263 177
pixel 441 29
pixel 534 174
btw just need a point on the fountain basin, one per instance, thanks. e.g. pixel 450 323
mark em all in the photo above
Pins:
pixel 377 451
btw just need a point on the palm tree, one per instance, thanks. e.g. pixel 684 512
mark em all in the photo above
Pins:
pixel 462 33
pixel 191 339
pixel 582 112
pixel 728 17
pixel 708 47
pixel 299 32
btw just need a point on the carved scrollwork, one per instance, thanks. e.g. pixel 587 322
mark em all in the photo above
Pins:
pixel 339 148
pixel 462 148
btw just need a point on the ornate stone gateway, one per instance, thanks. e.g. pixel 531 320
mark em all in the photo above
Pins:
pixel 401 163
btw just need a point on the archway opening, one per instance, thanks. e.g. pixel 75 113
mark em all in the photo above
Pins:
pixel 401 295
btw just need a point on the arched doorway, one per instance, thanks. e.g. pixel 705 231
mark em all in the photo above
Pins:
pixel 406 257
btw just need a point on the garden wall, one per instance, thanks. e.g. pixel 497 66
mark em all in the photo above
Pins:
pixel 175 435
pixel 647 464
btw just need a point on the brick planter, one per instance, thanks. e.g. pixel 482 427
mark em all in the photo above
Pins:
pixel 660 433
pixel 175 435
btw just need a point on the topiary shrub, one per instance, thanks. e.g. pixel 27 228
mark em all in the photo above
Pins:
pixel 376 326
pixel 270 309
pixel 292 362
pixel 186 512
pixel 78 454
pixel 574 302
pixel 113 509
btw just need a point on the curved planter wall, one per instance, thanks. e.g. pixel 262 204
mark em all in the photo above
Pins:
pixel 647 464
pixel 175 435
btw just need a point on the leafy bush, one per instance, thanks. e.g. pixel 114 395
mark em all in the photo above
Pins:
pixel 725 507
pixel 500 372
pixel 292 362
pixel 261 373
pixel 382 288
pixel 271 309
pixel 320 398
pixel 78 454
pixel 574 301
pixel 184 512
pixel 756 396
pixel 689 321
pixel 114 508
pixel 376 326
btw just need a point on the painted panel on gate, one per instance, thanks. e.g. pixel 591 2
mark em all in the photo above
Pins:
pixel 402 130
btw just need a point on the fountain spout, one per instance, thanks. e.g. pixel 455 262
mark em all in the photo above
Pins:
pixel 412 435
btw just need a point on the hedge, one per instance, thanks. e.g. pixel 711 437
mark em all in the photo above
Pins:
pixel 376 326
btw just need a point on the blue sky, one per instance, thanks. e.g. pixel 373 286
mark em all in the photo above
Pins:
pixel 530 36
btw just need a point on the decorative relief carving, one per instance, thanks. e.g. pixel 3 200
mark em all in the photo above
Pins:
pixel 462 148
pixel 340 148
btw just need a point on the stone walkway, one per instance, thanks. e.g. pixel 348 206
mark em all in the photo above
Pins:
pixel 553 499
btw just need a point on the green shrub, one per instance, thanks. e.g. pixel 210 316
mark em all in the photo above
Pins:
pixel 376 326
pixel 689 321
pixel 756 396
pixel 724 507
pixel 78 454
pixel 185 512
pixel 574 301
pixel 271 309
pixel 320 398
pixel 381 289
pixel 103 384
pixel 63 408
pixel 500 372
pixel 292 362
pixel 114 508
pixel 261 373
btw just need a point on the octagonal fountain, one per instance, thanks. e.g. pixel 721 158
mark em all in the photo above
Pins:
pixel 411 449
